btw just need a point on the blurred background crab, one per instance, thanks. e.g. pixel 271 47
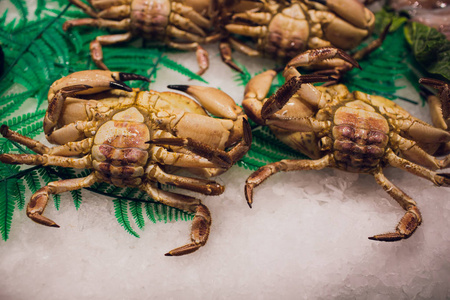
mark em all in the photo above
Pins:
pixel 181 25
pixel 283 29
pixel 354 132
pixel 130 138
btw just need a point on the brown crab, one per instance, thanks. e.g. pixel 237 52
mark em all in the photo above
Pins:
pixel 283 29
pixel 354 132
pixel 178 24
pixel 133 138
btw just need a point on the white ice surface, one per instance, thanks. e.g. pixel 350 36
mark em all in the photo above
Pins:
pixel 305 238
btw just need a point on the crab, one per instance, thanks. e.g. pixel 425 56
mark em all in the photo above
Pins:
pixel 283 30
pixel 178 24
pixel 133 138
pixel 354 132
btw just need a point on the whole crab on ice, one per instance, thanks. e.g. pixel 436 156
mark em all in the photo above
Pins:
pixel 133 138
pixel 354 132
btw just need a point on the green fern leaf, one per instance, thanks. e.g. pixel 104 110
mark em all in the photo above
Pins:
pixel 39 8
pixel 21 8
pixel 17 192
pixel 77 199
pixel 121 213
pixel 165 61
pixel 33 182
pixel 137 213
pixel 55 40
pixel 149 211
pixel 6 210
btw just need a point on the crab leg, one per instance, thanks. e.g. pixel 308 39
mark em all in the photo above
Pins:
pixel 98 22
pixel 39 200
pixel 409 222
pixel 191 14
pixel 202 60
pixel 68 149
pixel 398 162
pixel 216 156
pixel 46 160
pixel 163 156
pixel 260 18
pixel 96 46
pixel 202 218
pixel 206 187
pixel 186 24
pixel 31 144
pixel 246 30
pixel 285 165
pixel 86 8
pixel 412 151
pixel 225 55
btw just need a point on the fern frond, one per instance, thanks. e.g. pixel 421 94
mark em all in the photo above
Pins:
pixel 17 192
pixel 168 63
pixel 149 211
pixel 55 40
pixel 137 213
pixel 39 8
pixel 33 183
pixel 13 102
pixel 21 8
pixel 6 210
pixel 77 199
pixel 121 213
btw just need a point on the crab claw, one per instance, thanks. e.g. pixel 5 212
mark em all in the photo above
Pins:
pixel 213 100
pixel 286 91
pixel 99 80
pixel 313 56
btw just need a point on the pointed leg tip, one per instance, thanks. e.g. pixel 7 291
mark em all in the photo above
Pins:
pixel 55 225
pixel 168 254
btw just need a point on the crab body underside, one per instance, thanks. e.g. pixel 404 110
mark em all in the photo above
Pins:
pixel 133 138
pixel 354 132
